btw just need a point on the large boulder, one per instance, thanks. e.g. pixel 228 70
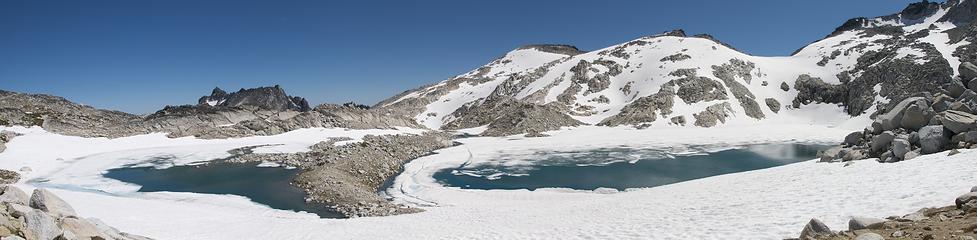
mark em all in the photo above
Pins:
pixel 963 199
pixel 941 103
pixel 854 138
pixel 48 202
pixel 858 223
pixel 815 228
pixel 893 118
pixel 915 117
pixel 831 154
pixel 82 229
pixel 11 194
pixel 40 225
pixel 933 139
pixel 900 147
pixel 959 122
pixel 955 88
pixel 881 142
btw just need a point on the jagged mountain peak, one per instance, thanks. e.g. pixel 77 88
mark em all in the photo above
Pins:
pixel 267 98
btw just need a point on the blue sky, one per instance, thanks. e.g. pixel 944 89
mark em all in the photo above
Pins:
pixel 138 56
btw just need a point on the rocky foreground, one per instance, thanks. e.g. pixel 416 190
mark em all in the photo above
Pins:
pixel 44 216
pixel 951 222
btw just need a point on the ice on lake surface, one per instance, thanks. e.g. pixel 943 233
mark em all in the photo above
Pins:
pixel 620 168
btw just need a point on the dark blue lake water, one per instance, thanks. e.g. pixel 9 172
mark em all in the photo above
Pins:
pixel 619 168
pixel 266 185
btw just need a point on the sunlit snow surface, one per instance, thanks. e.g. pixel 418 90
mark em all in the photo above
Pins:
pixel 766 204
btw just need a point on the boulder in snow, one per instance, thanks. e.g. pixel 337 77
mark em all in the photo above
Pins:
pixel 900 147
pixel 45 200
pixel 40 225
pixel 854 138
pixel 959 122
pixel 933 139
pixel 11 194
pixel 815 228
pixel 881 142
pixel 858 223
pixel 893 118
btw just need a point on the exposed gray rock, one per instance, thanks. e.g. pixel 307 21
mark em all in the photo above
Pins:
pixel 963 199
pixel 678 120
pixel 814 90
pixel 967 70
pixel 854 139
pixel 933 139
pixel 882 141
pixel 969 137
pixel 941 103
pixel 959 122
pixel 645 109
pixel 773 104
pixel 675 57
pixel 831 154
pixel 815 228
pixel 900 147
pixel 40 225
pixel 555 48
pixel 48 202
pixel 8 177
pixel 912 154
pixel 81 228
pixel 893 118
pixel 915 116
pixel 266 98
pixel 739 68
pixel 13 194
pixel 713 115
pixel 784 86
pixel 858 223
pixel 955 88
pixel 347 177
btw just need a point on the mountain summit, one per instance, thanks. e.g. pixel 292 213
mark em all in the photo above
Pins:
pixel 267 98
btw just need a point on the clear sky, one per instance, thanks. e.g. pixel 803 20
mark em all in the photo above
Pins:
pixel 138 56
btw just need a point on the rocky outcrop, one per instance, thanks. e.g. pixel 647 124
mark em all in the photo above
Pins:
pixel 713 115
pixel 264 98
pixel 814 90
pixel 555 48
pixel 347 177
pixel 815 229
pixel 742 69
pixel 47 218
pixel 922 124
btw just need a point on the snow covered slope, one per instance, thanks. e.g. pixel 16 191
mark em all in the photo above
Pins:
pixel 672 78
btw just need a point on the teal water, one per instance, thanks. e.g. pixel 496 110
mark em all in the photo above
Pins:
pixel 619 168
pixel 264 185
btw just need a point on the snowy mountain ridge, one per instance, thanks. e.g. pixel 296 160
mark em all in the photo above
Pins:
pixel 674 79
